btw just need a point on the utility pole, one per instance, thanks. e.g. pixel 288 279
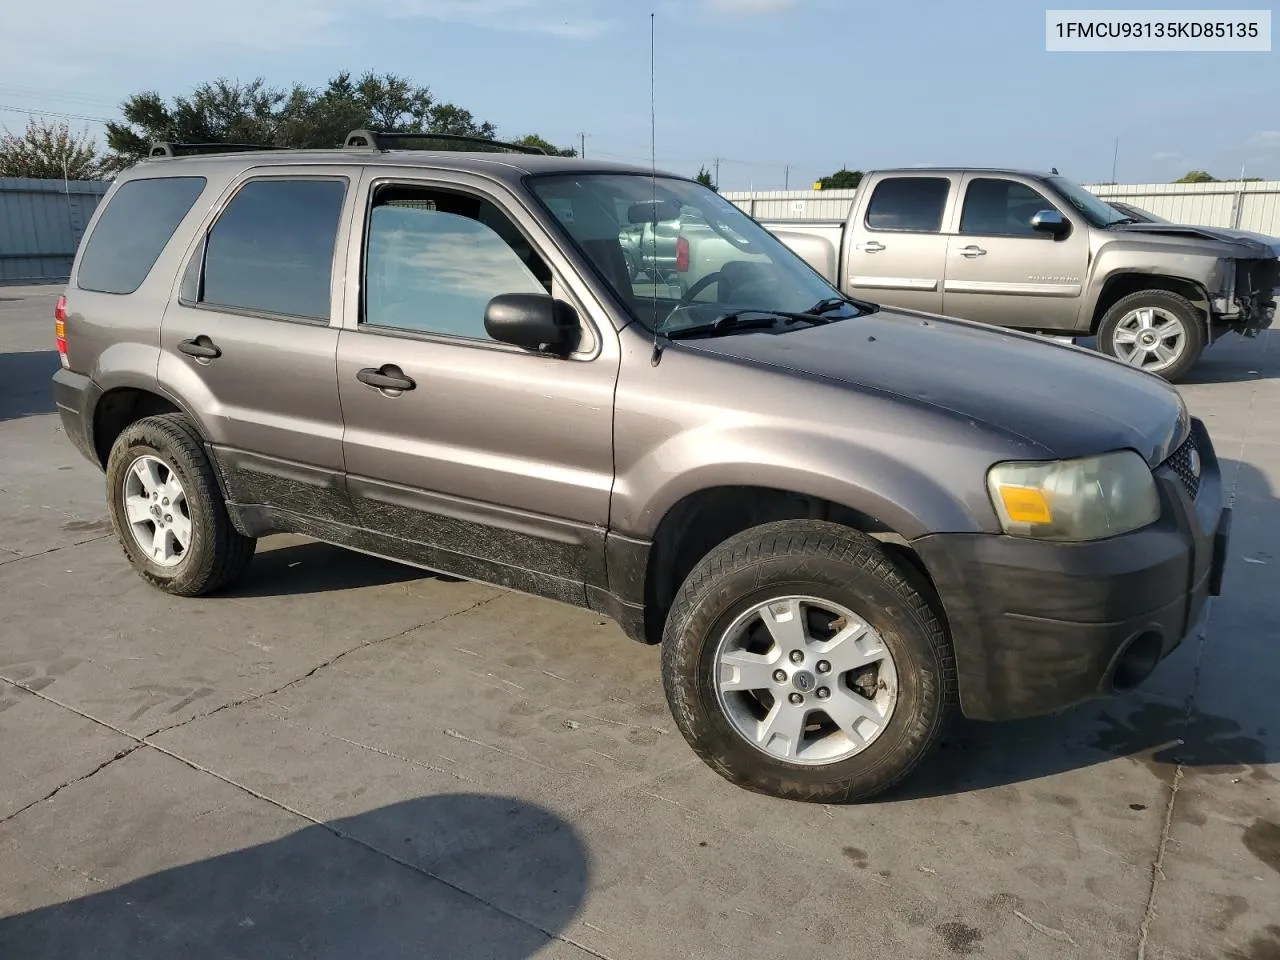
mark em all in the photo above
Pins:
pixel 786 178
pixel 582 144
pixel 717 172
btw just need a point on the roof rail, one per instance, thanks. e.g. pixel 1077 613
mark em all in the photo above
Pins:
pixel 383 139
pixel 165 148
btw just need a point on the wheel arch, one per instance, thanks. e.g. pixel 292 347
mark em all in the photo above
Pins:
pixel 703 519
pixel 1123 283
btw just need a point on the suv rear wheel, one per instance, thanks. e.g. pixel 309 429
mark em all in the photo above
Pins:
pixel 168 512
pixel 1154 330
pixel 800 662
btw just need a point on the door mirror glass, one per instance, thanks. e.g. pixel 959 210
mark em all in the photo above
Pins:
pixel 533 321
pixel 1051 222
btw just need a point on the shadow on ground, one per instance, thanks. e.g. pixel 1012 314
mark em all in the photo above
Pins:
pixel 361 887
pixel 26 388
pixel 314 567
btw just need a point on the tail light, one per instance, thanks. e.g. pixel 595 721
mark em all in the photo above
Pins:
pixel 60 330
pixel 682 255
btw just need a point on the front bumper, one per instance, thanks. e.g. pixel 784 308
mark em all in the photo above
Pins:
pixel 76 397
pixel 1039 626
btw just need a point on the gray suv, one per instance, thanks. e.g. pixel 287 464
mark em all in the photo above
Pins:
pixel 842 523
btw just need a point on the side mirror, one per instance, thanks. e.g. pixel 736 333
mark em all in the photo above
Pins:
pixel 1051 222
pixel 534 321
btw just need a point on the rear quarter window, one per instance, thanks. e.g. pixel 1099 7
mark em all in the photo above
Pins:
pixel 132 232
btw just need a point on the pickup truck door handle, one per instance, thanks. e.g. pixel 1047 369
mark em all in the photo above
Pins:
pixel 386 377
pixel 871 246
pixel 201 347
pixel 972 250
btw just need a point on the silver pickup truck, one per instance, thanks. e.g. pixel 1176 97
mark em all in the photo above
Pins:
pixel 1037 252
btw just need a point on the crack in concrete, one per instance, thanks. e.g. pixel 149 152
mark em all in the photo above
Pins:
pixel 139 742
pixel 1166 830
pixel 62 786
pixel 44 553
pixel 363 645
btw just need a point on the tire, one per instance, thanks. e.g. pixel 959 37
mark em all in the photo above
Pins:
pixel 833 565
pixel 1166 307
pixel 215 554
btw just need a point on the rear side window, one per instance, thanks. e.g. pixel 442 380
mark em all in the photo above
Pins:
pixel 912 204
pixel 132 232
pixel 271 251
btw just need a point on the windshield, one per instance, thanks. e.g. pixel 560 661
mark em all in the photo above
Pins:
pixel 677 253
pixel 1097 212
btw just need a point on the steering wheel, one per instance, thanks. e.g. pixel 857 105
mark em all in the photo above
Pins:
pixel 698 286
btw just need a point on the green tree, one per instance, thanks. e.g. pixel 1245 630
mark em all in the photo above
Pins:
pixel 551 150
pixel 232 112
pixel 50 151
pixel 1196 176
pixel 704 178
pixel 842 179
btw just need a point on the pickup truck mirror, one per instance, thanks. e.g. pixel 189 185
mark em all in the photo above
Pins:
pixel 534 321
pixel 1051 222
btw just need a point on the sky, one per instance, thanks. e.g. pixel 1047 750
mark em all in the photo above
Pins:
pixel 763 85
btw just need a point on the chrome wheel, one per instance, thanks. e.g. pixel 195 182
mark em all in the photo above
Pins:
pixel 1151 338
pixel 155 506
pixel 805 680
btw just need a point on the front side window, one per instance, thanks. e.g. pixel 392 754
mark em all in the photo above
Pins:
pixel 908 204
pixel 1002 208
pixel 271 251
pixel 435 258
pixel 676 253
pixel 132 232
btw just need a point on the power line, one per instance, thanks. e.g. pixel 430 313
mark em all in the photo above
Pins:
pixel 52 113
pixel 45 93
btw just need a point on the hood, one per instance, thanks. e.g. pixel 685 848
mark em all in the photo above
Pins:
pixel 1262 246
pixel 1067 400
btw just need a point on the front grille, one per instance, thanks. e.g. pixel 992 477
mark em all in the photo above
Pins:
pixel 1181 462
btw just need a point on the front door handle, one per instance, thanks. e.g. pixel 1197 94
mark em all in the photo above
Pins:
pixel 386 377
pixel 201 347
pixel 872 246
pixel 972 250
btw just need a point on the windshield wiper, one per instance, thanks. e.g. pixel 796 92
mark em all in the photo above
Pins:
pixel 742 320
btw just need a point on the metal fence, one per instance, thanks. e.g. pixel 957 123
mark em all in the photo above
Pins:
pixel 1239 204
pixel 41 223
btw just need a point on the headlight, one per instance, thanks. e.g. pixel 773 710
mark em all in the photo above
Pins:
pixel 1085 499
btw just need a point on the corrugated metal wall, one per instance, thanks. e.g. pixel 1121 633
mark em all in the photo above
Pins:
pixel 41 223
pixel 1244 205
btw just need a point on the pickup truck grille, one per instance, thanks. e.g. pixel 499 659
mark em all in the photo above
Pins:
pixel 1185 462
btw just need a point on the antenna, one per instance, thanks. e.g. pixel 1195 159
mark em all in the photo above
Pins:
pixel 653 174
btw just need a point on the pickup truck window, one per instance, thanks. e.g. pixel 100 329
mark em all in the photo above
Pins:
pixel 908 204
pixel 1097 212
pixel 435 258
pixel 995 207
pixel 706 259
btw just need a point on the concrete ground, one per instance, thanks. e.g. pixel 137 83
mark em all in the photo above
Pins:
pixel 345 758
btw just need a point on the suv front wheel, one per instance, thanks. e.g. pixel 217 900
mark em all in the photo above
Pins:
pixel 168 512
pixel 800 662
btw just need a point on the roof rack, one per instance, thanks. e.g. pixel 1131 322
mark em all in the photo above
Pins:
pixel 167 148
pixel 383 139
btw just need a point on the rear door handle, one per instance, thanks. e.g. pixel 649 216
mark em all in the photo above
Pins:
pixel 972 250
pixel 386 377
pixel 202 348
pixel 871 246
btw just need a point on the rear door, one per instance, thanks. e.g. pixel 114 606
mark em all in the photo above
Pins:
pixel 493 462
pixel 1001 271
pixel 249 340
pixel 898 251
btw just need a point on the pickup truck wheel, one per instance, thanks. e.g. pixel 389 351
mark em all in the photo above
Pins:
pixel 1154 330
pixel 799 662
pixel 168 511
